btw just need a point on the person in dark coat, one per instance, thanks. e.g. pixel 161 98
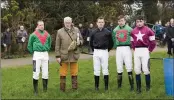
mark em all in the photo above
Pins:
pixel 89 33
pixel 6 42
pixel 170 37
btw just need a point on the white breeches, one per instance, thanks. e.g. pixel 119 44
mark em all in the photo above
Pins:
pixel 40 59
pixel 100 59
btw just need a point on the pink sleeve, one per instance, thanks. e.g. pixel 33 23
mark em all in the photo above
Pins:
pixel 152 42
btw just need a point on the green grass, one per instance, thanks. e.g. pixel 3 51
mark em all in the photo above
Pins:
pixel 17 83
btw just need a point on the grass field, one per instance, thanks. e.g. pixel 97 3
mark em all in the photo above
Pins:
pixel 17 83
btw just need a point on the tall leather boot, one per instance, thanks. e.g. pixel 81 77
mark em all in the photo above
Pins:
pixel 62 83
pixel 45 83
pixel 131 81
pixel 119 80
pixel 138 81
pixel 74 82
pixel 35 85
pixel 147 82
pixel 106 80
pixel 96 82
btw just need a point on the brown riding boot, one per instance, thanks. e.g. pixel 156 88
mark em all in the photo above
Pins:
pixel 74 82
pixel 62 83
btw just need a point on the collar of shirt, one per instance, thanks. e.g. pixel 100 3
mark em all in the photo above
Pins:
pixel 67 29
pixel 121 27
pixel 172 25
pixel 98 29
pixel 141 27
pixel 41 31
pixel 22 31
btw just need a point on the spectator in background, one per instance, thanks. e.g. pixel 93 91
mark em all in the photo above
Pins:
pixel 164 36
pixel 84 36
pixel 133 25
pixel 170 37
pixel 2 47
pixel 22 40
pixel 110 27
pixel 7 41
pixel 159 30
pixel 166 25
pixel 81 28
pixel 154 28
pixel 161 27
pixel 89 33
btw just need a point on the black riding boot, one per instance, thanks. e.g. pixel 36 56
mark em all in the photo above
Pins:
pixel 96 82
pixel 106 80
pixel 138 81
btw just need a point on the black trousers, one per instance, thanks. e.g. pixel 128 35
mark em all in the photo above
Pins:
pixel 170 46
